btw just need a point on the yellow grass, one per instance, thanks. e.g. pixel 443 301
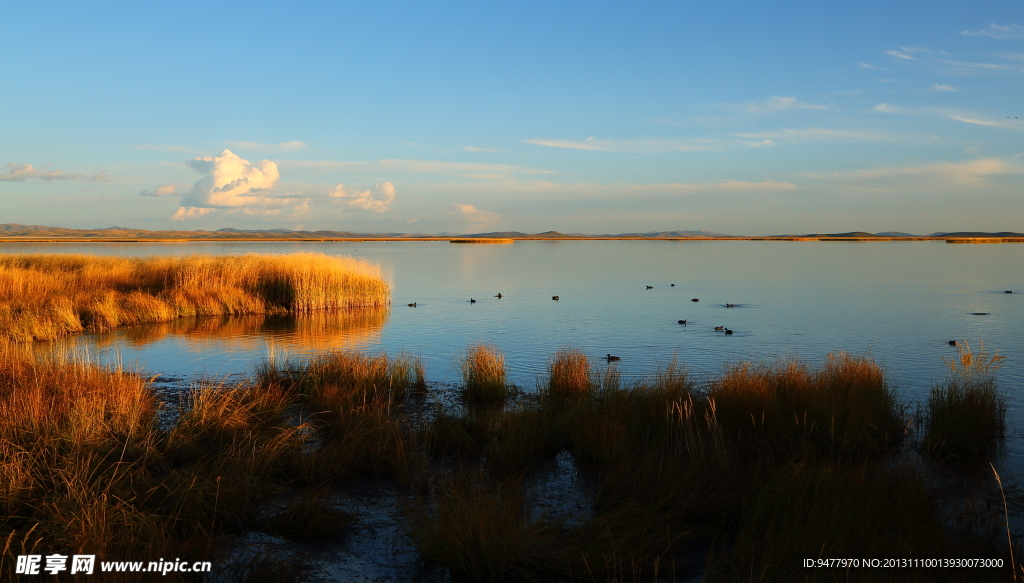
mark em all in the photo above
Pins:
pixel 483 375
pixel 48 296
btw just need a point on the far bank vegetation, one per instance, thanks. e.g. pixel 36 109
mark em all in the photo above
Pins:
pixel 47 296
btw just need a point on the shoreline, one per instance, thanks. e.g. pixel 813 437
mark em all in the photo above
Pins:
pixel 960 240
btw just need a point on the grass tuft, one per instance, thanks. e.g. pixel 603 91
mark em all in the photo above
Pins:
pixel 483 375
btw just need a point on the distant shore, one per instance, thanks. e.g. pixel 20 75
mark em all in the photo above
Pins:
pixel 473 239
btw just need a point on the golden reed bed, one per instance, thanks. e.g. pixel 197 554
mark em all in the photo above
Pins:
pixel 48 296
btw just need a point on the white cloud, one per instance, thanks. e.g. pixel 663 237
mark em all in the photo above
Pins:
pixel 938 87
pixel 190 212
pixel 471 214
pixel 1009 31
pixel 377 199
pixel 100 176
pixel 867 66
pixel 20 172
pixel 628 146
pixel 166 190
pixel 231 181
pixel 942 176
pixel 760 144
pixel 981 120
pixel 885 108
pixel 778 103
pixel 478 149
pixel 900 55
pixel 462 169
pixel 831 134
pixel 260 147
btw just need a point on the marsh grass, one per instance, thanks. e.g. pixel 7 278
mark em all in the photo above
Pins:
pixel 308 517
pixel 569 375
pixel 846 407
pixel 47 296
pixel 483 375
pixel 966 414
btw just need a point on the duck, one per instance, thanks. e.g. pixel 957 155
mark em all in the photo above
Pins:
pixel 472 301
pixel 611 358
pixel 412 305
pixel 554 298
pixel 498 296
pixel 673 285
pixel 1009 291
pixel 952 342
pixel 694 300
pixel 719 327
pixel 650 287
pixel 683 322
pixel 730 305
pixel 728 331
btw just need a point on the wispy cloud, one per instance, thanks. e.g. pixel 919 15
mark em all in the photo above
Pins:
pixel 1009 31
pixel 779 103
pixel 473 170
pixel 900 55
pixel 20 172
pixel 470 214
pixel 981 120
pixel 261 147
pixel 628 146
pixel 760 144
pixel 833 134
pixel 938 87
pixel 868 67
pixel 479 149
pixel 945 175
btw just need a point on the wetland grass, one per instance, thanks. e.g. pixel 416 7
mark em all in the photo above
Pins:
pixel 47 296
pixel 765 465
pixel 483 375
pixel 965 418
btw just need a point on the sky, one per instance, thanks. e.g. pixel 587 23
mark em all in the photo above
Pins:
pixel 597 117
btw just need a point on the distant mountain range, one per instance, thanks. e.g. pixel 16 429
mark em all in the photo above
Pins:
pixel 10 230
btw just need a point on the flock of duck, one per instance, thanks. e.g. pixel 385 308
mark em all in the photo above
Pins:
pixel 609 357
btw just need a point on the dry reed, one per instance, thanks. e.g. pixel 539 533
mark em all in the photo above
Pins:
pixel 48 296
pixel 483 375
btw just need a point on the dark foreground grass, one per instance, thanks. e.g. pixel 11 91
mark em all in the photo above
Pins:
pixel 765 465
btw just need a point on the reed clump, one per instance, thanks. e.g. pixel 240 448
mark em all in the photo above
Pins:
pixel 845 407
pixel 483 375
pixel 48 296
pixel 568 374
pixel 965 418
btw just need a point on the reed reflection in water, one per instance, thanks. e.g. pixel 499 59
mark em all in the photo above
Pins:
pixel 209 338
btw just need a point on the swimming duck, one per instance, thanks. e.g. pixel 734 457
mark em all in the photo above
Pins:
pixel 498 296
pixel 611 358
pixel 472 301
pixel 728 331
pixel 719 327
pixel 683 322
pixel 412 305
pixel 694 300
pixel 1009 291
pixel 952 342
pixel 650 287
pixel 554 298
pixel 673 285
pixel 730 305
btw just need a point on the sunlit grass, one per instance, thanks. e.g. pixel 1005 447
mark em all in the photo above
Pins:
pixel 48 296
pixel 483 375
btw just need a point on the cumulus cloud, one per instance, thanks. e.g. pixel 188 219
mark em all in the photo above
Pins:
pixel 778 103
pixel 377 199
pixel 1009 31
pixel 190 212
pixel 20 172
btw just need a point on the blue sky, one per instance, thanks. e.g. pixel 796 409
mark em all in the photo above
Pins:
pixel 601 117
